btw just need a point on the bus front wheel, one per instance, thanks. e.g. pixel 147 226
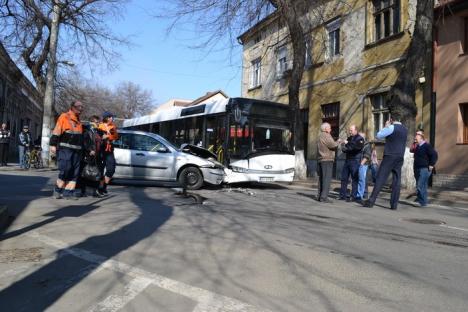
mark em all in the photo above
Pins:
pixel 191 178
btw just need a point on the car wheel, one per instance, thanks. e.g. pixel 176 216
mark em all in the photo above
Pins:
pixel 191 178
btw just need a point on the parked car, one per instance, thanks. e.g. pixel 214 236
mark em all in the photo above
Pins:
pixel 148 156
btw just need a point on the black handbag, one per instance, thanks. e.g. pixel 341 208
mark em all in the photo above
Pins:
pixel 91 172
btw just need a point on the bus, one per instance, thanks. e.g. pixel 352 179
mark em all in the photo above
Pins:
pixel 251 138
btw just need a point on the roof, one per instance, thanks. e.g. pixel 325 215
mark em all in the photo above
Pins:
pixel 262 23
pixel 207 96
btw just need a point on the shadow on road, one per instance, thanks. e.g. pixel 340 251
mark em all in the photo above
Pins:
pixel 42 288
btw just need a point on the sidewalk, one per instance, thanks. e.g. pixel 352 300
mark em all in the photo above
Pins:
pixel 437 196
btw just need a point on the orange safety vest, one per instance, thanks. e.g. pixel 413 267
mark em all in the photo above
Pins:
pixel 69 130
pixel 111 131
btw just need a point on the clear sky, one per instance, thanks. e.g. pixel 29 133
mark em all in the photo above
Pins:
pixel 165 64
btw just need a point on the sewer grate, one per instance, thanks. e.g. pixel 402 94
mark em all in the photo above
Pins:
pixel 424 221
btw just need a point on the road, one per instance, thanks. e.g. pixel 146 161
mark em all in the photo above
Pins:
pixel 144 248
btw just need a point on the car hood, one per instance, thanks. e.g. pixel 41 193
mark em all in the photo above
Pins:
pixel 197 151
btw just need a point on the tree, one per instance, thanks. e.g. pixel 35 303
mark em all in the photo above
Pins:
pixel 218 18
pixel 126 100
pixel 31 30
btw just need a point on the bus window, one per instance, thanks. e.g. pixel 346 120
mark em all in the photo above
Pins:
pixel 214 136
pixel 240 140
pixel 195 131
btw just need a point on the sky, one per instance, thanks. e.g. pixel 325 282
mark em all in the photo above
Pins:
pixel 167 65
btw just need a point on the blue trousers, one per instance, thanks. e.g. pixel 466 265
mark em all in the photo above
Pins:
pixel 350 168
pixel 362 184
pixel 422 178
pixel 21 151
pixel 390 164
pixel 68 161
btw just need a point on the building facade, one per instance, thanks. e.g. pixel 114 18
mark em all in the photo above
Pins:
pixel 451 93
pixel 355 50
pixel 20 102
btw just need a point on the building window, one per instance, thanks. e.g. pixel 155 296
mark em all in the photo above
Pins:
pixel 257 38
pixel 282 61
pixel 331 114
pixel 333 29
pixel 463 124
pixel 255 74
pixel 386 18
pixel 380 111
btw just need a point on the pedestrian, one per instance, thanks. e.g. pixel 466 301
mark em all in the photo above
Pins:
pixel 415 144
pixel 425 158
pixel 374 165
pixel 363 167
pixel 395 135
pixel 326 147
pixel 24 144
pixel 92 142
pixel 352 147
pixel 5 137
pixel 67 143
pixel 109 135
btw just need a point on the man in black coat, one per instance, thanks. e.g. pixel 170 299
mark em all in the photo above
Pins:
pixel 352 148
pixel 4 144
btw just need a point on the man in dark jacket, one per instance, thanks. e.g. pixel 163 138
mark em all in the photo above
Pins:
pixel 425 157
pixel 24 144
pixel 395 135
pixel 4 144
pixel 352 148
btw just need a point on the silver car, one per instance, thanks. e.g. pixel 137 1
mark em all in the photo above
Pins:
pixel 148 156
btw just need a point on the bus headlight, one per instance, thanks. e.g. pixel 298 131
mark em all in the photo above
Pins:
pixel 239 169
pixel 289 170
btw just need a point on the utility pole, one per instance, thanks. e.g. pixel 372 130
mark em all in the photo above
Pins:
pixel 50 80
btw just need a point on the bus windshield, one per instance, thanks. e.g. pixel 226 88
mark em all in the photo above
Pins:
pixel 259 137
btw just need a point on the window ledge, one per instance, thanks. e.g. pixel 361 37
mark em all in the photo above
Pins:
pixel 461 143
pixel 314 65
pixel 254 88
pixel 384 40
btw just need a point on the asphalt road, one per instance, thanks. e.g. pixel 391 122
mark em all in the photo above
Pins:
pixel 225 249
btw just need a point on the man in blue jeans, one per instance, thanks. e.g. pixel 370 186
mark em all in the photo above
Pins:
pixel 24 139
pixel 364 165
pixel 425 157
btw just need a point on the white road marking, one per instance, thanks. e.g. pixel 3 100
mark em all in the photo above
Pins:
pixel 207 300
pixel 454 227
pixel 114 302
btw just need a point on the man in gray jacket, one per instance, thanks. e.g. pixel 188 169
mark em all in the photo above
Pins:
pixel 326 156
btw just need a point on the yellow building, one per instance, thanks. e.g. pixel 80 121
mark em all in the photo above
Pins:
pixel 355 49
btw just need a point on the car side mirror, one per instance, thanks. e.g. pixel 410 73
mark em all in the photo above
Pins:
pixel 162 149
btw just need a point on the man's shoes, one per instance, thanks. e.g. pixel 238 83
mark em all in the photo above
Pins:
pixel 368 204
pixel 57 195
pixel 348 200
pixel 97 194
pixel 393 208
pixel 358 200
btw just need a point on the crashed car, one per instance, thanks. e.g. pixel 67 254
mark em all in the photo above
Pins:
pixel 147 156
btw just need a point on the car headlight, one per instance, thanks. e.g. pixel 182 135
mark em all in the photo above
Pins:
pixel 213 164
pixel 289 170
pixel 239 169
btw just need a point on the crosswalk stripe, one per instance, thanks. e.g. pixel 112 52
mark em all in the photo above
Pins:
pixel 205 299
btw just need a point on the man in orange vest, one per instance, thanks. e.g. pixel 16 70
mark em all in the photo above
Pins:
pixel 109 135
pixel 67 143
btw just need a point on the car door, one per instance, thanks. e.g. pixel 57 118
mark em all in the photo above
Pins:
pixel 122 154
pixel 151 159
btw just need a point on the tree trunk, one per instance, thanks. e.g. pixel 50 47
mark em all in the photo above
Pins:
pixel 290 12
pixel 402 103
pixel 49 88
